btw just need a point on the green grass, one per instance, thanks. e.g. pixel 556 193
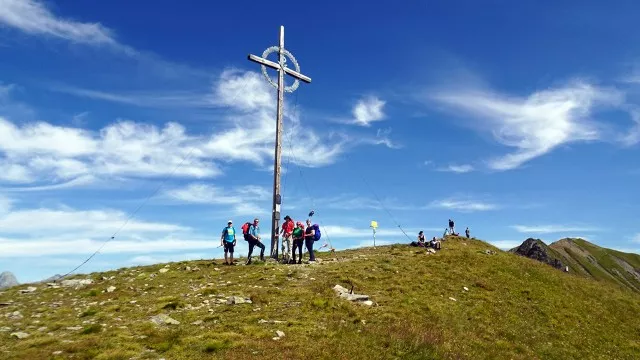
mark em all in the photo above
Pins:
pixel 515 308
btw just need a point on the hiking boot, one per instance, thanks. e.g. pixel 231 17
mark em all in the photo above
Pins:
pixel 248 262
pixel 299 262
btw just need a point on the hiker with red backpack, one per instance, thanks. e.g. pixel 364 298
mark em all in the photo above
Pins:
pixel 251 234
pixel 311 235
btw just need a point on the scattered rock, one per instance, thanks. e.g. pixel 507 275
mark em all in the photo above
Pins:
pixel 164 319
pixel 263 321
pixel 7 280
pixel 279 333
pixel 344 293
pixel 238 300
pixel 30 289
pixel 6 303
pixel 466 288
pixel 111 289
pixel 56 352
pixel 368 303
pixel 42 329
pixel 5 329
pixel 76 283
pixel 431 250
pixel 197 322
pixel 16 315
pixel 452 299
pixel 74 328
pixel 489 252
pixel 163 270
pixel 20 335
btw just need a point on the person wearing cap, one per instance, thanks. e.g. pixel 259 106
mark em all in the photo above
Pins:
pixel 228 240
pixel 254 240
pixel 298 240
pixel 287 231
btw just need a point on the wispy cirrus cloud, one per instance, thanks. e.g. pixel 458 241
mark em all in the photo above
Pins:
pixel 632 136
pixel 536 124
pixel 553 228
pixel 34 17
pixel 458 169
pixel 463 205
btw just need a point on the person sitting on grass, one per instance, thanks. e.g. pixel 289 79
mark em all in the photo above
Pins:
pixel 435 243
pixel 421 239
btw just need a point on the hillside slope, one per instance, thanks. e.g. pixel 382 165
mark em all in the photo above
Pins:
pixel 600 263
pixel 512 308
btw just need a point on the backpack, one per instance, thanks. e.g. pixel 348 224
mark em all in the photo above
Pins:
pixel 317 233
pixel 245 230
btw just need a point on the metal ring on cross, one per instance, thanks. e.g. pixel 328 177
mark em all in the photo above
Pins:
pixel 287 54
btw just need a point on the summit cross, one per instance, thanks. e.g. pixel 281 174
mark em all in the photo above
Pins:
pixel 282 69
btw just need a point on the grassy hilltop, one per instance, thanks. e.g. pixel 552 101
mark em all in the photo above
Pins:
pixel 512 308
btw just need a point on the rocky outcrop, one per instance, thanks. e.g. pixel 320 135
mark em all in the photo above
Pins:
pixel 538 250
pixel 7 280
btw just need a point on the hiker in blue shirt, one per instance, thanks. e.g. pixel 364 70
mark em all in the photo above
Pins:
pixel 253 237
pixel 228 240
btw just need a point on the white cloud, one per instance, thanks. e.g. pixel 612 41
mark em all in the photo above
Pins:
pixel 34 152
pixel 632 136
pixel 550 229
pixel 462 205
pixel 536 124
pixel 459 169
pixel 39 221
pixel 240 200
pixel 34 18
pixel 54 246
pixel 368 110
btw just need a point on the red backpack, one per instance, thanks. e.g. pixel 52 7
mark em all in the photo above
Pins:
pixel 245 230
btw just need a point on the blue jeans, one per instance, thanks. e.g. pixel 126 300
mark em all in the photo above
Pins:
pixel 309 243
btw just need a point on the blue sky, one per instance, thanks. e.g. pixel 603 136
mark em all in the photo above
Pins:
pixel 517 120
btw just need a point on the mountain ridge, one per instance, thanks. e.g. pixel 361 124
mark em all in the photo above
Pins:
pixel 587 259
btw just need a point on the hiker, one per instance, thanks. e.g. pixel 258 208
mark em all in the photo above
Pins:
pixel 253 237
pixel 298 240
pixel 309 239
pixel 466 232
pixel 446 230
pixel 287 231
pixel 435 243
pixel 451 225
pixel 228 240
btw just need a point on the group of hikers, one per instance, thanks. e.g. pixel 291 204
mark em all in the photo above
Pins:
pixel 294 235
pixel 435 243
